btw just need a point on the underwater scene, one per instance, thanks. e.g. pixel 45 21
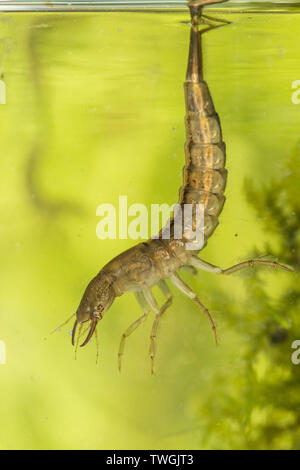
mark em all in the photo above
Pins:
pixel 92 108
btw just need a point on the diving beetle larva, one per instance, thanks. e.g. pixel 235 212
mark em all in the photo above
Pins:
pixel 150 263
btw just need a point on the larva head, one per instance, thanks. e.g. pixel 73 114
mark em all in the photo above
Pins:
pixel 96 300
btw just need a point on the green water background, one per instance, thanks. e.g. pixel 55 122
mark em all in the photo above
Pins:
pixel 95 110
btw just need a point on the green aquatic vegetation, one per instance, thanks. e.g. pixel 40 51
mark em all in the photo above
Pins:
pixel 259 407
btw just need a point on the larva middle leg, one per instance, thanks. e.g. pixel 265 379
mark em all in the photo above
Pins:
pixel 188 268
pixel 183 287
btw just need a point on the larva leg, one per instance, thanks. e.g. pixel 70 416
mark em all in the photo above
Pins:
pixel 142 301
pixel 204 265
pixel 189 269
pixel 151 300
pixel 175 279
pixel 254 261
pixel 166 291
pixel 200 264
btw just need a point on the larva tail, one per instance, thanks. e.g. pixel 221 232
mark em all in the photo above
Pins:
pixel 204 176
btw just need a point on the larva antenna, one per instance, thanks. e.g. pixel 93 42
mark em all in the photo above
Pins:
pixel 63 324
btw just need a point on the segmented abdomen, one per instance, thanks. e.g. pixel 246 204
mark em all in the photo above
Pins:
pixel 204 175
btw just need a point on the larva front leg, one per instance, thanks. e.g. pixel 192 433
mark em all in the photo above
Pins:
pixel 142 301
pixel 166 291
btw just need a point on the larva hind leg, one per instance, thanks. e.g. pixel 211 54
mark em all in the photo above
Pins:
pixel 143 303
pixel 183 287
pixel 167 293
pixel 204 266
pixel 256 261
